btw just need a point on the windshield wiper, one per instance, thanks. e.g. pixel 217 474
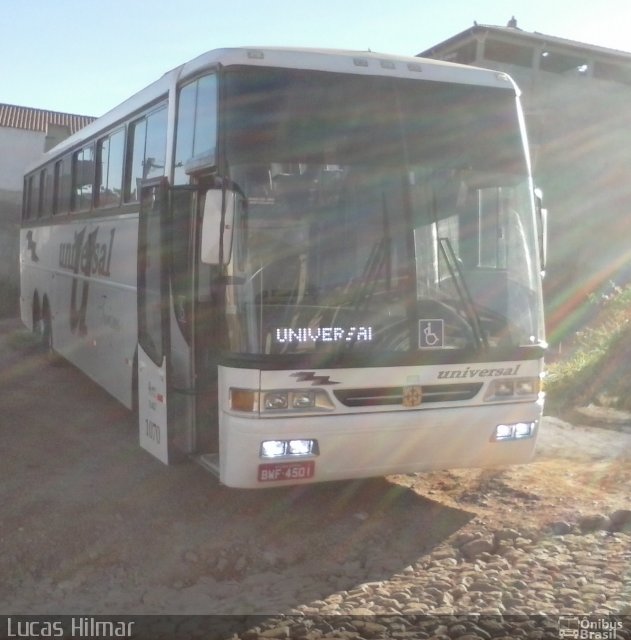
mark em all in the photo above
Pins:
pixel 455 271
pixel 378 259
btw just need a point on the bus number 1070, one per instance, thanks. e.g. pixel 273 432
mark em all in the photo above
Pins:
pixel 152 430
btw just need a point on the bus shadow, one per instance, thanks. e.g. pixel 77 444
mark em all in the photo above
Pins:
pixel 310 542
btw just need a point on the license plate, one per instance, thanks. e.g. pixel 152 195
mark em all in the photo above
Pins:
pixel 286 471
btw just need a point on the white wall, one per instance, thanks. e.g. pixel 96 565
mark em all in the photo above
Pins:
pixel 18 149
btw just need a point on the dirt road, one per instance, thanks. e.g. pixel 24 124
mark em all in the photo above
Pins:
pixel 91 523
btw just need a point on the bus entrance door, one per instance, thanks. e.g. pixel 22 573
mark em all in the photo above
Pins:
pixel 152 321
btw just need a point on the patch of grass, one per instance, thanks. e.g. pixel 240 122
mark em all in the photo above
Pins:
pixel 599 369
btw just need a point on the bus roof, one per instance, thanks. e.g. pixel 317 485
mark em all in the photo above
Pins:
pixel 338 61
pixel 344 61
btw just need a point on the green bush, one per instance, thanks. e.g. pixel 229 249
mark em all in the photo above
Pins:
pixel 599 369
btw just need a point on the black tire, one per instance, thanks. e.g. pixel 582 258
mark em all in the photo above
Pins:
pixel 45 333
pixel 36 317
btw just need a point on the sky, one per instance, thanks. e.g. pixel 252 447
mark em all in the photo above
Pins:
pixel 87 56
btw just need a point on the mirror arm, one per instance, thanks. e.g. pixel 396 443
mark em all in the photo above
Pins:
pixel 222 224
pixel 542 221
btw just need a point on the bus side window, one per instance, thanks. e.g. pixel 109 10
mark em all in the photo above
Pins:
pixel 109 181
pixel 196 125
pixel 47 195
pixel 136 155
pixel 29 188
pixel 62 185
pixel 82 178
pixel 34 194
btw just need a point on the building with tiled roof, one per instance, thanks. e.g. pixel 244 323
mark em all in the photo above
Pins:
pixel 25 133
pixel 16 117
pixel 576 99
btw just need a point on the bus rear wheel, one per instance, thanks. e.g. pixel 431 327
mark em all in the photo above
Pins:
pixel 39 330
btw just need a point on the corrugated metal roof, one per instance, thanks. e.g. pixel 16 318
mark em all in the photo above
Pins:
pixel 16 117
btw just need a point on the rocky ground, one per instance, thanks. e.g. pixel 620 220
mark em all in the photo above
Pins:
pixel 90 524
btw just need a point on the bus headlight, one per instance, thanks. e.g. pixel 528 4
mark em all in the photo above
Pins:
pixel 275 400
pixel 283 400
pixel 303 400
pixel 507 389
pixel 527 387
pixel 280 400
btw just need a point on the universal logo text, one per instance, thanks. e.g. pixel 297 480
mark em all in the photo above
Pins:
pixel 472 372
pixel 85 256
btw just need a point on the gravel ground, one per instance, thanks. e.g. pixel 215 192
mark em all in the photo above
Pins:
pixel 90 524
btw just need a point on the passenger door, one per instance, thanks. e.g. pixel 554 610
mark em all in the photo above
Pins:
pixel 153 320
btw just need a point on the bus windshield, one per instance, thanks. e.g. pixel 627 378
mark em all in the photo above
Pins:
pixel 381 215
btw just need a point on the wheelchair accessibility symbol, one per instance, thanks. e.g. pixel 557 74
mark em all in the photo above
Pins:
pixel 431 333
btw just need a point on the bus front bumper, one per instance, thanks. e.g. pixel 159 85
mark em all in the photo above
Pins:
pixel 363 445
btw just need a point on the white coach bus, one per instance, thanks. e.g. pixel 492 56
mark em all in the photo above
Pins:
pixel 300 265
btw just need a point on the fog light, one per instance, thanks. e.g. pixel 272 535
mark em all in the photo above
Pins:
pixel 504 432
pixel 276 400
pixel 273 448
pixel 284 448
pixel 515 431
pixel 524 429
pixel 300 447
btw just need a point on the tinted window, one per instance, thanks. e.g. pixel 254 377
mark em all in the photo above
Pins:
pixel 155 149
pixel 35 194
pixel 196 124
pixel 82 179
pixel 61 202
pixel 151 309
pixel 147 138
pixel 32 197
pixel 137 135
pixel 47 196
pixel 110 169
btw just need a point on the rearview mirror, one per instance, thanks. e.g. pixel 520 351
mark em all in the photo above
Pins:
pixel 217 227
